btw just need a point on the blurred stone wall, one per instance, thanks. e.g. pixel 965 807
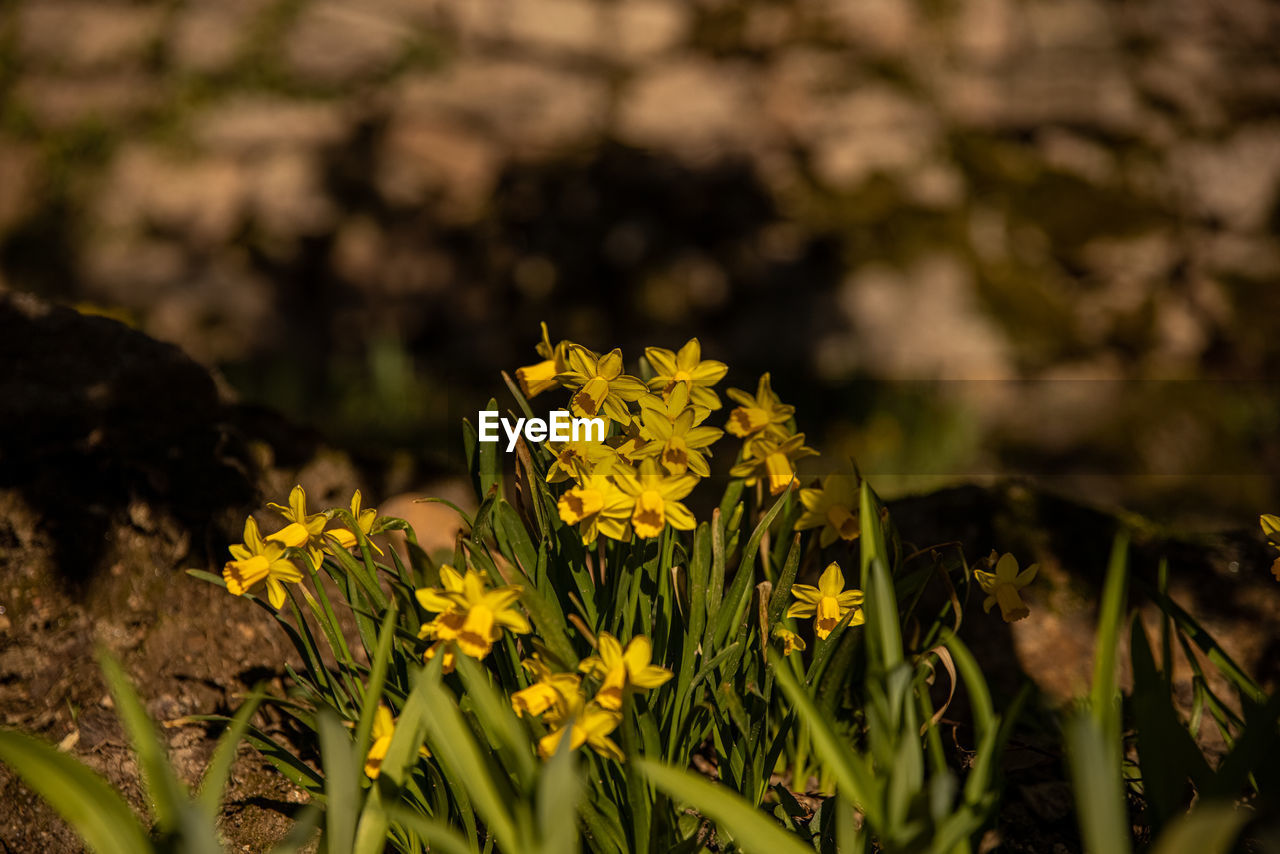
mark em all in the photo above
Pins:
pixel 968 236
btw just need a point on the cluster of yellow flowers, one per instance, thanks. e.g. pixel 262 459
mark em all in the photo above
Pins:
pixel 633 482
pixel 269 561
pixel 586 718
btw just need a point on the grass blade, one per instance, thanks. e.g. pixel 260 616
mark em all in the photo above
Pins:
pixel 1167 754
pixel 1208 829
pixel 1105 696
pixel 871 535
pixel 498 720
pixel 559 790
pixel 438 834
pixel 753 831
pixel 851 772
pixel 743 580
pixel 341 783
pixel 884 635
pixel 1095 778
pixel 453 742
pixel 167 793
pixel 377 679
pixel 782 591
pixel 215 776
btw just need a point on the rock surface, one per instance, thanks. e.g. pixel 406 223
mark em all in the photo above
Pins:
pixel 293 191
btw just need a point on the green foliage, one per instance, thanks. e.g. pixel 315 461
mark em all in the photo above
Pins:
pixel 909 800
pixel 1171 767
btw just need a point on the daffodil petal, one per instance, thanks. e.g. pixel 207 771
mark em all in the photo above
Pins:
pixel 832 581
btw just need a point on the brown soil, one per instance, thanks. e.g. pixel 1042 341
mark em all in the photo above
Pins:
pixel 189 648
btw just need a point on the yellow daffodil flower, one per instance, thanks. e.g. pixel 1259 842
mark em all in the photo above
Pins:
pixel 438 599
pixel 761 413
pixel 576 459
pixel 365 520
pixel 447 648
pixel 834 508
pixel 772 461
pixel 671 409
pixel 537 378
pixel 791 642
pixel 657 500
pixel 1271 528
pixel 827 603
pixel 585 723
pixel 678 444
pixel 599 385
pixel 626 443
pixel 257 561
pixel 304 531
pixel 548 691
pixel 597 507
pixel 685 376
pixel 476 616
pixel 619 667
pixel 384 727
pixel 1002 587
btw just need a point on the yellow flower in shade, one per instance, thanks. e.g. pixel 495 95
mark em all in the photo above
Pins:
pixel 684 376
pixel 257 561
pixel 577 459
pixel 827 603
pixel 585 723
pixel 599 385
pixel 548 690
pixel 679 445
pixel 657 500
pixel 772 461
pixel 384 727
pixel 619 667
pixel 448 648
pixel 1002 587
pixel 597 507
pixel 671 409
pixel 834 508
pixel 626 443
pixel 365 520
pixel 763 413
pixel 537 378
pixel 1271 528
pixel 476 614
pixel 791 641
pixel 304 531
